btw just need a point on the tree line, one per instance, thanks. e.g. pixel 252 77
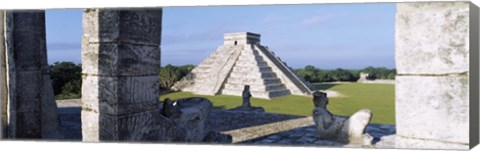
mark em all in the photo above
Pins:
pixel 314 75
pixel 67 76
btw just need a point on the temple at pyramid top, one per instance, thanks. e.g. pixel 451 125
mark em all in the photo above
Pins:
pixel 241 38
pixel 240 61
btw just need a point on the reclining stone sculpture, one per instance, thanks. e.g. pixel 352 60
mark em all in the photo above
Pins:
pixel 192 114
pixel 346 130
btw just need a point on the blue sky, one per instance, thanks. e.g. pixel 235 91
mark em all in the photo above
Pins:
pixel 328 36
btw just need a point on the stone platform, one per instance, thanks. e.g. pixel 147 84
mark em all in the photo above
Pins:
pixel 248 128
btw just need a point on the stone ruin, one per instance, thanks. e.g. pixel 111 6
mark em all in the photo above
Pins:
pixel 346 130
pixel 240 61
pixel 120 63
pixel 434 90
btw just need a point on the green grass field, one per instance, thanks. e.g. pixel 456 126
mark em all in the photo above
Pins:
pixel 379 98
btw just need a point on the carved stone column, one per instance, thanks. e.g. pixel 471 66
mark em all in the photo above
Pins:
pixel 120 66
pixel 32 111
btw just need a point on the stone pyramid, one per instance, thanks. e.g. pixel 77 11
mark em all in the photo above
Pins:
pixel 240 61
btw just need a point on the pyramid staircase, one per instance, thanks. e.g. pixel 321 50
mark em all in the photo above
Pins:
pixel 243 61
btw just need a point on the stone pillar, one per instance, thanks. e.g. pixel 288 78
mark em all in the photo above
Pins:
pixel 120 66
pixel 432 84
pixel 3 80
pixel 32 109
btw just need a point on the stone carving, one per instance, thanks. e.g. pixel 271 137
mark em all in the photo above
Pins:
pixel 192 114
pixel 170 109
pixel 246 105
pixel 246 95
pixel 346 130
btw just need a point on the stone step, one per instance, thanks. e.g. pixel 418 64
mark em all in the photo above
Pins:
pixel 253 75
pixel 250 58
pixel 252 69
pixel 268 87
pixel 259 94
pixel 279 93
pixel 251 63
pixel 253 80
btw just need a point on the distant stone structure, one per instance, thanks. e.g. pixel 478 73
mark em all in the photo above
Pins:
pixel 363 77
pixel 243 61
pixel 346 130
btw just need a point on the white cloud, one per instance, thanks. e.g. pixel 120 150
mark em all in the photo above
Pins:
pixel 316 19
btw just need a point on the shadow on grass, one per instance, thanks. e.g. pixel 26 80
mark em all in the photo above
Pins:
pixel 324 86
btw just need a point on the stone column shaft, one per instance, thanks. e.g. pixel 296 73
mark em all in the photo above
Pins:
pixel 32 108
pixel 3 79
pixel 432 84
pixel 120 66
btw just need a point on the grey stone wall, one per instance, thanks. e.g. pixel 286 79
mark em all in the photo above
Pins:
pixel 432 84
pixel 120 66
pixel 3 80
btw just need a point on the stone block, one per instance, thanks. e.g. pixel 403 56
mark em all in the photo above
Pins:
pixel 27 49
pixel 138 26
pixel 50 123
pixel 28 125
pixel 432 38
pixel 144 126
pixel 120 95
pixel 90 126
pixel 411 143
pixel 29 21
pixel 433 108
pixel 194 114
pixel 114 59
pixel 28 91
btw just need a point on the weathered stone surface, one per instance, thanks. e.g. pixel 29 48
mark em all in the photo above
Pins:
pixel 194 114
pixel 405 142
pixel 434 108
pixel 329 127
pixel 169 109
pixel 432 38
pixel 216 137
pixel 142 26
pixel 120 95
pixel 11 76
pixel 355 128
pixel 121 60
pixel 50 120
pixel 3 80
pixel 118 59
pixel 28 104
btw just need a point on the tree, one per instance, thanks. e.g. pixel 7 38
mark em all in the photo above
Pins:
pixel 168 76
pixel 63 73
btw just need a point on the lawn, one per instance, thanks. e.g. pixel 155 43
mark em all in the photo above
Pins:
pixel 379 98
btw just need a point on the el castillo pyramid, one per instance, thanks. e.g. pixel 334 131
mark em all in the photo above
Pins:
pixel 242 60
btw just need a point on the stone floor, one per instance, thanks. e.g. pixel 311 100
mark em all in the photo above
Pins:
pixel 247 128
